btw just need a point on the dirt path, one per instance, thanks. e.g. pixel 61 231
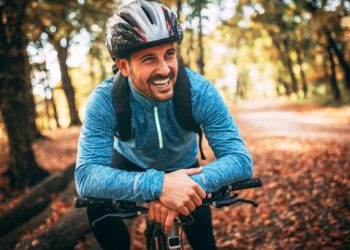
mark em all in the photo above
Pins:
pixel 294 120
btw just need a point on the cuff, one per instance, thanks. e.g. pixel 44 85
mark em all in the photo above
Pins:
pixel 151 182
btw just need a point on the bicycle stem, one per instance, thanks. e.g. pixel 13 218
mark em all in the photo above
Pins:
pixel 173 237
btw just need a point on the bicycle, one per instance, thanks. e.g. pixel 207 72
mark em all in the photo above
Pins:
pixel 155 235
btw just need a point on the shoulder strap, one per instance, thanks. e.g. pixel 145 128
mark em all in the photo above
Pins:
pixel 183 103
pixel 120 98
pixel 183 106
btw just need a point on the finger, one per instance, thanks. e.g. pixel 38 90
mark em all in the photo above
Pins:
pixel 163 215
pixel 157 213
pixel 200 191
pixel 192 171
pixel 190 205
pixel 169 221
pixel 151 212
pixel 183 210
pixel 196 199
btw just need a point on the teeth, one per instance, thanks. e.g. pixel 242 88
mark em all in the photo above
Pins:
pixel 161 82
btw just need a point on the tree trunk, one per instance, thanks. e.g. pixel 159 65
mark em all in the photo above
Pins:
pixel 103 71
pixel 189 49
pixel 35 201
pixel 333 78
pixel 55 113
pixel 282 44
pixel 200 60
pixel 47 109
pixel 286 62
pixel 62 53
pixel 283 83
pixel 341 58
pixel 289 64
pixel 62 235
pixel 50 101
pixel 23 169
pixel 9 240
pixel 302 74
pixel 178 48
pixel 33 128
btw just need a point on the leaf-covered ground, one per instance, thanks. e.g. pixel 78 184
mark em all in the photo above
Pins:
pixel 302 154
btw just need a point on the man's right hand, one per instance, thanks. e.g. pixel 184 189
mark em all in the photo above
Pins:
pixel 180 192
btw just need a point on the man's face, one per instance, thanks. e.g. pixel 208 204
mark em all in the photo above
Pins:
pixel 152 71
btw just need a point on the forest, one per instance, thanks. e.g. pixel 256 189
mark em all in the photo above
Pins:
pixel 282 67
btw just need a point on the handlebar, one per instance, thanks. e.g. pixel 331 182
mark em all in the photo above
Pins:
pixel 250 183
pixel 128 209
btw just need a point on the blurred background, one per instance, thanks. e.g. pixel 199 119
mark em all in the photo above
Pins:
pixel 282 66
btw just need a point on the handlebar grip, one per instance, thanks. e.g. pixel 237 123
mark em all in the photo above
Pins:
pixel 251 183
pixel 92 202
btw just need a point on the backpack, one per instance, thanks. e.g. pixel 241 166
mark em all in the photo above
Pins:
pixel 181 100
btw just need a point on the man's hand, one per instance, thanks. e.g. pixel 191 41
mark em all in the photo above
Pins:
pixel 160 213
pixel 180 192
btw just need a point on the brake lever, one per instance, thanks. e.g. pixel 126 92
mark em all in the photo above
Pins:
pixel 121 215
pixel 233 200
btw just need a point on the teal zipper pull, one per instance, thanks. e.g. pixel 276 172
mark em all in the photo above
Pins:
pixel 159 131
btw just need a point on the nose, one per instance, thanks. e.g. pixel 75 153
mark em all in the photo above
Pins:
pixel 163 68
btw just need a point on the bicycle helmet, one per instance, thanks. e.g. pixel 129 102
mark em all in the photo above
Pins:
pixel 139 24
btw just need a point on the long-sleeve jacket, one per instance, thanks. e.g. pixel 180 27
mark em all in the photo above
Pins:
pixel 157 144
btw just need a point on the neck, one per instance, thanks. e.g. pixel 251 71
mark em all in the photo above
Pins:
pixel 139 91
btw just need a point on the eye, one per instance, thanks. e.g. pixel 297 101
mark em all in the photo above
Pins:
pixel 148 60
pixel 170 53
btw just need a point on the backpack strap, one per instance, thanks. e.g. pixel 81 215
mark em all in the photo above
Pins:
pixel 183 106
pixel 120 98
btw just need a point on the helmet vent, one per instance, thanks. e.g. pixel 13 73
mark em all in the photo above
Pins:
pixel 127 18
pixel 147 14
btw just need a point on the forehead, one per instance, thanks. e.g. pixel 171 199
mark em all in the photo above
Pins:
pixel 156 50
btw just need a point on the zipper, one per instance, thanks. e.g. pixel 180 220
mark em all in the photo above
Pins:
pixel 159 131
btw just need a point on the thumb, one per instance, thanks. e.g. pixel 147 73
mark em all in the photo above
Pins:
pixel 192 171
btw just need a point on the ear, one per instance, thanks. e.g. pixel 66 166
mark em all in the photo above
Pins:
pixel 123 66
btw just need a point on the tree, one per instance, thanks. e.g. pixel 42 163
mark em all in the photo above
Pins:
pixel 278 22
pixel 197 7
pixel 41 73
pixel 58 23
pixel 328 24
pixel 55 21
pixel 23 169
pixel 32 126
pixel 333 77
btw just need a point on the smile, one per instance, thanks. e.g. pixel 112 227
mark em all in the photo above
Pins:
pixel 161 83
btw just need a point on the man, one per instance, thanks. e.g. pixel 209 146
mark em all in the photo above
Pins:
pixel 157 162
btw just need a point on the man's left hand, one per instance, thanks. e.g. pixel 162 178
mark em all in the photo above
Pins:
pixel 162 214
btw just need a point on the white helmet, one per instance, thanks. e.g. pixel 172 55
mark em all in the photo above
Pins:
pixel 138 25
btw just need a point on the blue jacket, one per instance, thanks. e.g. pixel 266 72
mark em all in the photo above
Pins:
pixel 157 144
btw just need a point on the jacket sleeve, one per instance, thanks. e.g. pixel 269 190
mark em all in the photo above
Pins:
pixel 233 160
pixel 94 176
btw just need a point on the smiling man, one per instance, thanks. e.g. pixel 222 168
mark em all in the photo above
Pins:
pixel 138 140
